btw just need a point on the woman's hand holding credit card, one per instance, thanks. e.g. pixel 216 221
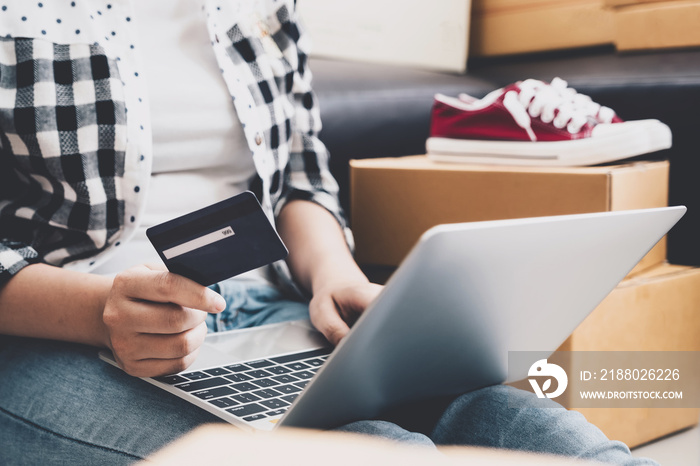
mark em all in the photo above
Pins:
pixel 155 319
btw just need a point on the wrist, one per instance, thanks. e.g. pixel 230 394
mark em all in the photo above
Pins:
pixel 100 288
pixel 331 273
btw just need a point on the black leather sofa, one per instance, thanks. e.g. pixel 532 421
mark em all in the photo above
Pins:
pixel 380 111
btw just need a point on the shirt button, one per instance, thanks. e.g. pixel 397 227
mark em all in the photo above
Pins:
pixel 258 139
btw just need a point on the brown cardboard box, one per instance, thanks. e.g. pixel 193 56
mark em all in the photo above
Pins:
pixel 291 446
pixel 657 310
pixel 657 25
pixel 617 3
pixel 395 200
pixel 500 27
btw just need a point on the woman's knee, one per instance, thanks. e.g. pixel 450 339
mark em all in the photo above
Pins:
pixel 386 430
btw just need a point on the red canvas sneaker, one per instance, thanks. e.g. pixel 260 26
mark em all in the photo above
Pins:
pixel 535 123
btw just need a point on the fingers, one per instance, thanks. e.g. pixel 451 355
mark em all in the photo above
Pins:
pixel 161 286
pixel 158 318
pixel 161 346
pixel 367 293
pixel 156 367
pixel 352 301
pixel 147 355
pixel 327 320
pixel 333 311
pixel 156 266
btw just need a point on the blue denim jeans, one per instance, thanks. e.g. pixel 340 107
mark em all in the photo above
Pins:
pixel 60 404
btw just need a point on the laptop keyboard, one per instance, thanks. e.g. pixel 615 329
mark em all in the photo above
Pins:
pixel 252 390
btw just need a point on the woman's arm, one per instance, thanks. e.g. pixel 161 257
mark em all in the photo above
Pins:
pixel 152 320
pixel 322 263
pixel 309 216
pixel 43 301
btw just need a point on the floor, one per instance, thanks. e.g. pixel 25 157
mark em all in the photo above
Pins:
pixel 681 449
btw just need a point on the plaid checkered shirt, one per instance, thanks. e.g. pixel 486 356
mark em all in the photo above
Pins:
pixel 75 158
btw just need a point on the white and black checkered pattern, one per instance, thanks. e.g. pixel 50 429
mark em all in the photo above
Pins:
pixel 280 84
pixel 281 89
pixel 14 257
pixel 63 143
pixel 63 131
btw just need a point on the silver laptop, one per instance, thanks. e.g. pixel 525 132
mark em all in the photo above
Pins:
pixel 466 295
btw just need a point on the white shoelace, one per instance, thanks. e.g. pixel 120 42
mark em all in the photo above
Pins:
pixel 583 102
pixel 553 103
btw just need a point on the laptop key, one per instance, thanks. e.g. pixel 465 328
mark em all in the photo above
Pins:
pixel 196 375
pixel 305 375
pixel 267 393
pixel 287 389
pixel 277 412
pixel 258 374
pixel 245 387
pixel 202 384
pixel 301 384
pixel 259 363
pixel 217 371
pixel 171 379
pixel 246 397
pixel 314 362
pixel 285 378
pixel 290 398
pixel 237 377
pixel 238 367
pixel 265 383
pixel 274 403
pixel 278 370
pixel 246 410
pixel 297 366
pixel 255 417
pixel 214 393
pixel 224 402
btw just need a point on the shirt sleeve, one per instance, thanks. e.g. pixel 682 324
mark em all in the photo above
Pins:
pixel 307 175
pixel 14 256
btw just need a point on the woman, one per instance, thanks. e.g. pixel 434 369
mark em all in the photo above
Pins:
pixel 231 109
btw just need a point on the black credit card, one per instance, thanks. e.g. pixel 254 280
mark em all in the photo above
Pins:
pixel 219 241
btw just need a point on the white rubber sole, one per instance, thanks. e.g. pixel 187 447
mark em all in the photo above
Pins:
pixel 609 143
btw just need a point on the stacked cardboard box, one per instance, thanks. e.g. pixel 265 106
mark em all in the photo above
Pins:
pixel 443 35
pixel 501 27
pixel 655 24
pixel 408 195
pixel 657 308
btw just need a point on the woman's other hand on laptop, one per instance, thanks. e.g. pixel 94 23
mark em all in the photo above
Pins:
pixel 155 320
pixel 336 307
pixel 321 263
